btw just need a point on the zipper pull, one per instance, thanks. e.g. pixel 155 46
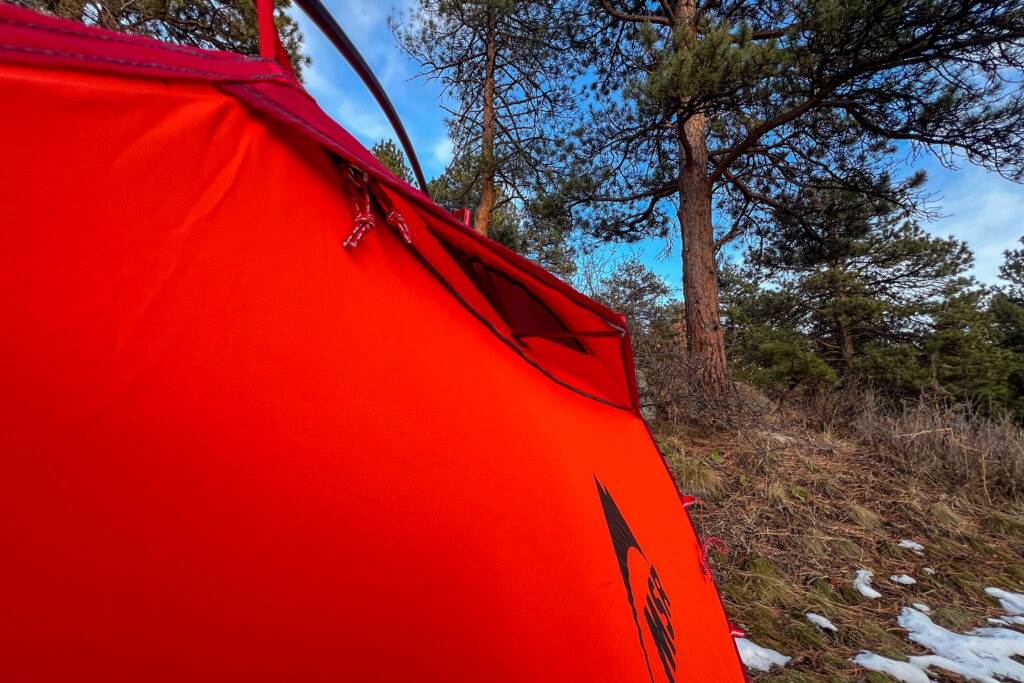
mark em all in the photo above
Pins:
pixel 356 183
pixel 393 217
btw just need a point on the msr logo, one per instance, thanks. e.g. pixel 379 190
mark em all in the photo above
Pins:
pixel 641 579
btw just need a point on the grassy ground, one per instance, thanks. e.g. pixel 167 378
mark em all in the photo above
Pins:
pixel 801 511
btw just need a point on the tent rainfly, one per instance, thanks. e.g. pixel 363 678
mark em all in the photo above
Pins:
pixel 270 414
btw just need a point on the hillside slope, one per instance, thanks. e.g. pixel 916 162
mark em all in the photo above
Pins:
pixel 804 511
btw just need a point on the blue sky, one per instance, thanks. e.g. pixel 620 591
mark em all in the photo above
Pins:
pixel 978 207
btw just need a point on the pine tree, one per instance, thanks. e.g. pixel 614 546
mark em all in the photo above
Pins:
pixel 210 24
pixel 1012 271
pixel 638 293
pixel 966 357
pixel 1007 310
pixel 389 154
pixel 721 108
pixel 765 343
pixel 857 288
pixel 652 316
pixel 506 66
pixel 537 227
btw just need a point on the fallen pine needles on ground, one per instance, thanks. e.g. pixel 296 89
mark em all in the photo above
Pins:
pixel 809 495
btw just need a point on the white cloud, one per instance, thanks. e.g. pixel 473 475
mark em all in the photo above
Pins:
pixel 365 23
pixel 343 96
pixel 317 83
pixel 985 211
pixel 359 18
pixel 442 151
pixel 366 123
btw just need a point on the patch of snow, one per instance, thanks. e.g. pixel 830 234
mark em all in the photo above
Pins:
pixel 921 607
pixel 904 579
pixel 863 584
pixel 1019 621
pixel 901 671
pixel 821 622
pixel 983 655
pixel 912 545
pixel 1013 603
pixel 928 570
pixel 998 622
pixel 757 657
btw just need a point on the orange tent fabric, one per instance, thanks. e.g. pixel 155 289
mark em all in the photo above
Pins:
pixel 235 449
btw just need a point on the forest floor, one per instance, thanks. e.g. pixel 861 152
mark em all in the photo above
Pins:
pixel 804 512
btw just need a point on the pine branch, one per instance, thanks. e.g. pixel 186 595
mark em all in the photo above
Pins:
pixel 634 18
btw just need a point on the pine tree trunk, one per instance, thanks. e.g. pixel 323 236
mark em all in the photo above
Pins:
pixel 705 336
pixel 487 170
pixel 845 338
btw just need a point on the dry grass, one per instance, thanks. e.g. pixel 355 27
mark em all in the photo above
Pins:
pixel 1004 523
pixel 696 476
pixel 807 499
pixel 861 516
pixel 950 445
pixel 946 517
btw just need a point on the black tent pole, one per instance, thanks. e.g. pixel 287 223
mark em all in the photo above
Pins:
pixel 325 22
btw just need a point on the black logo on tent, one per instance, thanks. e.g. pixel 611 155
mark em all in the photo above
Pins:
pixel 657 616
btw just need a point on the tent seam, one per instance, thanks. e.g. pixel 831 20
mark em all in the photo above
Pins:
pixel 151 65
pixel 140 42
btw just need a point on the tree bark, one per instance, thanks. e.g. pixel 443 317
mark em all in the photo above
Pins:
pixel 705 336
pixel 845 339
pixel 844 335
pixel 487 170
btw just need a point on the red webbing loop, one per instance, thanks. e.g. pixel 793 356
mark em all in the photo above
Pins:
pixel 267 30
pixel 271 46
pixel 282 55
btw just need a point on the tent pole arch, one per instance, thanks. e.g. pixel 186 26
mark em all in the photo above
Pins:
pixel 316 11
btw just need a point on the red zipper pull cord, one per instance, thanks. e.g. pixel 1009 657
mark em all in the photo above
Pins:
pixel 356 185
pixel 394 218
pixel 362 190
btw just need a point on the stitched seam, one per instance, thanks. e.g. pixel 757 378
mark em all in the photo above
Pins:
pixel 297 86
pixel 291 116
pixel 508 342
pixel 150 65
pixel 196 52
